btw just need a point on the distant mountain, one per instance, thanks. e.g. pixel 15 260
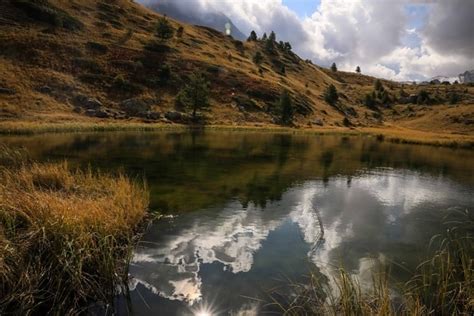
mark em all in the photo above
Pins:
pixel 214 20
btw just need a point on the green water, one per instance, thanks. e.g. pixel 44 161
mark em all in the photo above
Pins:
pixel 249 210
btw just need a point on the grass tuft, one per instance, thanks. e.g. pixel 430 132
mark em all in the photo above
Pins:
pixel 65 235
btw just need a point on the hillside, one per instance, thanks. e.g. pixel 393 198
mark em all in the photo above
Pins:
pixel 100 60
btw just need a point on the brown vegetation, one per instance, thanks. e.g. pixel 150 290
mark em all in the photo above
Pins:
pixel 65 235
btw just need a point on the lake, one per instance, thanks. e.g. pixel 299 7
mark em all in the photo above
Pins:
pixel 248 212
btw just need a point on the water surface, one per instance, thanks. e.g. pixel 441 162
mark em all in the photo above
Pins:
pixel 247 211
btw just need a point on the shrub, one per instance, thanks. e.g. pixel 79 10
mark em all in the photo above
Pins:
pixel 124 85
pixel 180 31
pixel 97 47
pixel 87 64
pixel 369 101
pixel 43 11
pixel 346 122
pixel 358 69
pixel 330 95
pixel 156 47
pixel 164 74
pixel 164 30
pixel 423 97
pixel 333 67
pixel 239 46
pixel 454 98
pixel 378 85
pixel 258 58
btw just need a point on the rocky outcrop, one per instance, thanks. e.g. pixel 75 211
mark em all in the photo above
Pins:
pixel 86 102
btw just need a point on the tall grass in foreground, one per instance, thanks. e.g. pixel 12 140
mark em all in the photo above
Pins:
pixel 441 285
pixel 65 235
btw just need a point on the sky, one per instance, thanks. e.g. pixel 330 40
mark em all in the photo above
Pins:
pixel 401 40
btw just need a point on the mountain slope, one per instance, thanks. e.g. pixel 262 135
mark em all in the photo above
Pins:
pixel 100 59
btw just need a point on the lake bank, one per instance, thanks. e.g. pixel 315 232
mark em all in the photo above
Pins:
pixel 388 133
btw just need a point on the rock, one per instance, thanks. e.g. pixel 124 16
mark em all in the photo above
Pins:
pixel 7 91
pixel 153 115
pixel 97 113
pixel 413 98
pixel 45 89
pixel 174 116
pixel 318 122
pixel 351 111
pixel 86 102
pixel 135 107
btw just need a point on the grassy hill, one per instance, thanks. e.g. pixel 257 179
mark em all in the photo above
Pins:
pixel 101 61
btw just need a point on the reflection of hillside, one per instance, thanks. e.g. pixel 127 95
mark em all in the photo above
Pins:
pixel 378 216
pixel 188 171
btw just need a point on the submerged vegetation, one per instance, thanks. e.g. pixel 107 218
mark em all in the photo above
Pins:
pixel 440 285
pixel 65 235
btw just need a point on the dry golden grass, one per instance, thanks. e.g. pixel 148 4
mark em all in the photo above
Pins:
pixel 65 235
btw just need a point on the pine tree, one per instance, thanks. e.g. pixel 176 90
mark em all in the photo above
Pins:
pixel 252 37
pixel 195 95
pixel 286 108
pixel 264 37
pixel 272 37
pixel 288 47
pixel 358 69
pixel 330 95
pixel 334 67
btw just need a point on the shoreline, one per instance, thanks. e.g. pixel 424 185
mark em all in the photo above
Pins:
pixel 384 133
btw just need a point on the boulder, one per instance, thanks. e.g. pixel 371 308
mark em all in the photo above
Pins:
pixel 45 89
pixel 153 115
pixel 174 116
pixel 318 122
pixel 7 91
pixel 97 113
pixel 86 102
pixel 135 107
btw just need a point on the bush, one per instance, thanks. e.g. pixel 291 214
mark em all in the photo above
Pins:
pixel 369 101
pixel 180 31
pixel 164 74
pixel 97 47
pixel 330 95
pixel 378 85
pixel 454 98
pixel 164 30
pixel 156 47
pixel 258 58
pixel 333 67
pixel 43 11
pixel 87 64
pixel 126 86
pixel 423 97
